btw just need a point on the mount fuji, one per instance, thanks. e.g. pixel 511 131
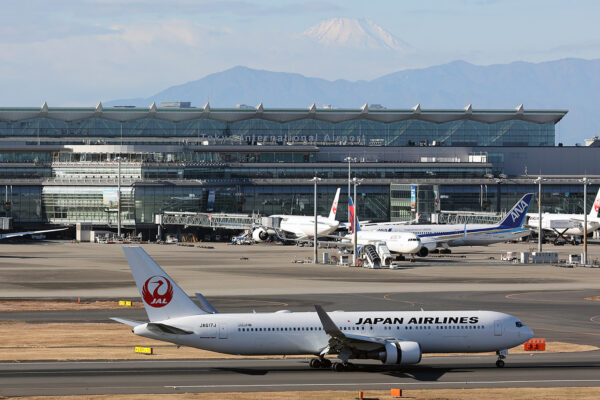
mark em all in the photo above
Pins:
pixel 354 33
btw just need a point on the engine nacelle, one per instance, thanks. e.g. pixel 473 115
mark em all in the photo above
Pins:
pixel 423 252
pixel 401 353
pixel 260 235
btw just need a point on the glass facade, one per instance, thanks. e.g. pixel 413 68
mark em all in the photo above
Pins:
pixel 60 165
pixel 306 130
pixel 71 204
pixel 566 199
pixel 22 203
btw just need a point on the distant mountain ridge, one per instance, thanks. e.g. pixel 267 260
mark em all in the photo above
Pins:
pixel 567 84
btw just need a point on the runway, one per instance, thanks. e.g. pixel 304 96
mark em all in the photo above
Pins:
pixel 552 301
pixel 110 377
pixel 555 315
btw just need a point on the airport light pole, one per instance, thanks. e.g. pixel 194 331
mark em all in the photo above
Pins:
pixel 349 160
pixel 316 244
pixel 119 197
pixel 356 183
pixel 585 182
pixel 539 181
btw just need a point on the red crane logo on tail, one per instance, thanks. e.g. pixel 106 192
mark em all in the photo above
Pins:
pixel 597 204
pixel 157 291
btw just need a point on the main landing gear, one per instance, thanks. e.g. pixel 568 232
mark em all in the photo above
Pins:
pixel 501 356
pixel 323 363
pixel 320 363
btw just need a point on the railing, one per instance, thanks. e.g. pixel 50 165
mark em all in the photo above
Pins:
pixel 207 220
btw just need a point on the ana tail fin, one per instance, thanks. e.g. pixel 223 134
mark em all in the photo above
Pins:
pixel 161 296
pixel 516 216
pixel 334 206
pixel 595 207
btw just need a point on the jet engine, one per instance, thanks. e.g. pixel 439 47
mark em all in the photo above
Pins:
pixel 260 235
pixel 401 353
pixel 423 251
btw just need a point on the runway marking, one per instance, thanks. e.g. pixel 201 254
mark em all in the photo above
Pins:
pixel 384 383
pixel 513 296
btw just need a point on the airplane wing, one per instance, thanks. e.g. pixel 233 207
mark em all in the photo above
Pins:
pixel 18 234
pixel 339 340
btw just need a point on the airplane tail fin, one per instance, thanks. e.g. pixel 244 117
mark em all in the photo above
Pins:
pixel 161 296
pixel 595 207
pixel 516 216
pixel 335 204
pixel 351 215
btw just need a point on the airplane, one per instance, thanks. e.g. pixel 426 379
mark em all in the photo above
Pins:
pixel 567 224
pixel 300 226
pixel 433 236
pixel 397 338
pixel 18 234
pixel 397 242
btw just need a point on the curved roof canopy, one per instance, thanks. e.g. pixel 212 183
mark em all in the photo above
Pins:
pixel 123 114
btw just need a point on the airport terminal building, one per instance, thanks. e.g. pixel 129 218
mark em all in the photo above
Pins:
pixel 60 165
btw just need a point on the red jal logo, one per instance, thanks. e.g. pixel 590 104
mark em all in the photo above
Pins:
pixel 157 291
pixel 597 205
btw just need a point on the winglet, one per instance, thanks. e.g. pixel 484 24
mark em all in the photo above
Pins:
pixel 329 326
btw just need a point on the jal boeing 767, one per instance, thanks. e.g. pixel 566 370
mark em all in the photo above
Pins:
pixel 395 338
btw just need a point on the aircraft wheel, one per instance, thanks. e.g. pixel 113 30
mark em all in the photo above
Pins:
pixel 325 363
pixel 338 367
pixel 315 363
pixel 500 364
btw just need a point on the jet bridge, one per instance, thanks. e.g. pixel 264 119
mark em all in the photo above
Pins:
pixel 208 220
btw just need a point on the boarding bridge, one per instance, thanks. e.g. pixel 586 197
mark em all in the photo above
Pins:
pixel 208 220
pixel 468 217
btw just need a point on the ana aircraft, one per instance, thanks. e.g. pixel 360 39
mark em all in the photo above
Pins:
pixel 395 338
pixel 300 226
pixel 433 236
pixel 567 224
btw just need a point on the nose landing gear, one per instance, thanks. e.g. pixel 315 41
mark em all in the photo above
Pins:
pixel 501 356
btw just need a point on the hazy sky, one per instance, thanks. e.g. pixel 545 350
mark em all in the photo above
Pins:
pixel 79 52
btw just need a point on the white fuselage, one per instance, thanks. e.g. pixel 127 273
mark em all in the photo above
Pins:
pixel 402 242
pixel 476 234
pixel 304 226
pixel 571 224
pixel 289 333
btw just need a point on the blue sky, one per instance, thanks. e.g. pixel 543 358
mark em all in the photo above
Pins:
pixel 80 52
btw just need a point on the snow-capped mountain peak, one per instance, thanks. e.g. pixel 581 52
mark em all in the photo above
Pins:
pixel 348 32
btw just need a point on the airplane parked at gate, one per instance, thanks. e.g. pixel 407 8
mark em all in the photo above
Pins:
pixel 567 224
pixel 433 236
pixel 394 338
pixel 300 226
pixel 397 242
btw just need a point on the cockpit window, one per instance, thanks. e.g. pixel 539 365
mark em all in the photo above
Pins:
pixel 519 324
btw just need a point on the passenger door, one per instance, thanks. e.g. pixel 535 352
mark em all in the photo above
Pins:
pixel 498 328
pixel 222 331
